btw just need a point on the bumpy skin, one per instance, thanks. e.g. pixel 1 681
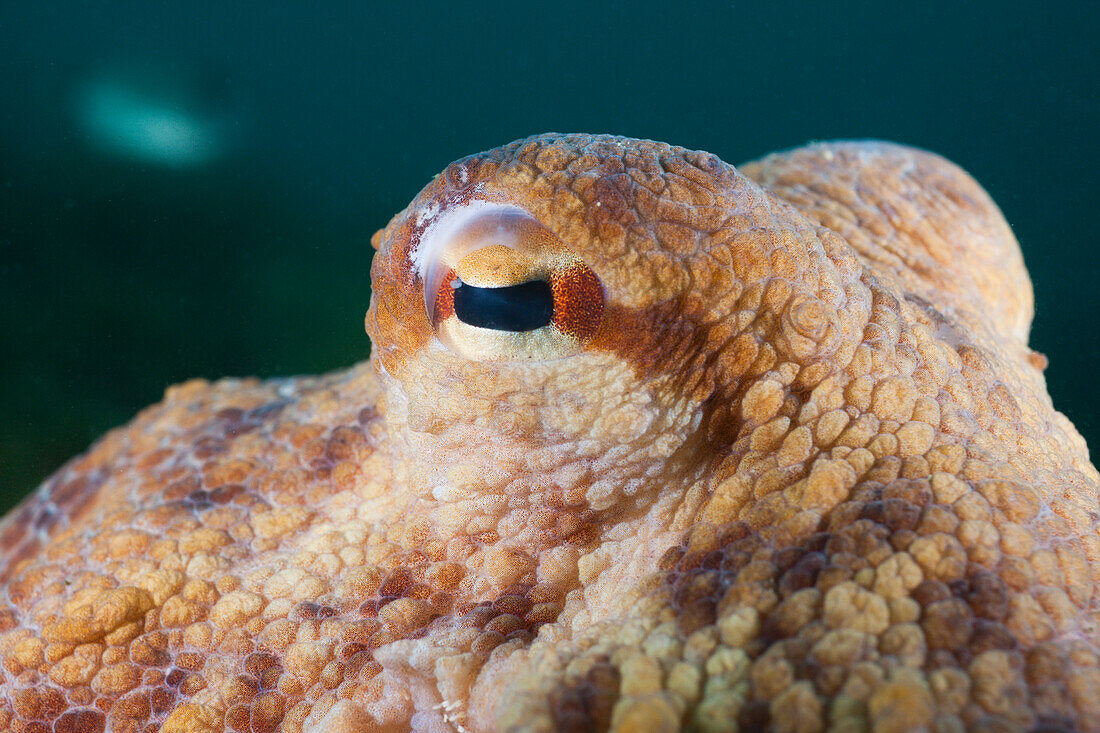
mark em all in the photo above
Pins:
pixel 805 476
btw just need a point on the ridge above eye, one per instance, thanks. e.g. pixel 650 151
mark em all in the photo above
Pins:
pixel 522 307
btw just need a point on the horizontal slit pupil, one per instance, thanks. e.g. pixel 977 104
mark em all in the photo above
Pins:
pixel 522 307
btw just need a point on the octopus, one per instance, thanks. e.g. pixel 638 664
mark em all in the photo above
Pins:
pixel 645 443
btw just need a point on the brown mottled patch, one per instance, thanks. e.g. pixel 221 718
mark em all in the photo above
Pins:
pixel 578 301
pixel 587 703
pixel 648 338
pixel 265 668
pixel 73 497
pixel 445 299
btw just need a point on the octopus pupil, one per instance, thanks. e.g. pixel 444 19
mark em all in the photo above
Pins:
pixel 522 307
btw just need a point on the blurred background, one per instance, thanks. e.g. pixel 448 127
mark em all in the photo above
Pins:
pixel 188 189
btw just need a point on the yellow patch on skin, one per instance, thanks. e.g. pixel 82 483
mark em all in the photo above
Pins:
pixel 850 606
pixel 96 616
pixel 77 668
pixel 787 463
pixel 901 706
pixel 190 718
pixel 235 609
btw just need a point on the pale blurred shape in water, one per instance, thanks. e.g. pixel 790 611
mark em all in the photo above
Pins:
pixel 150 119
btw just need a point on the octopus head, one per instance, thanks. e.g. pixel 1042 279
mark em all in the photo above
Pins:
pixel 591 311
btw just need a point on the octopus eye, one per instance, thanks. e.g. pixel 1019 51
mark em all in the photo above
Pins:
pixel 500 285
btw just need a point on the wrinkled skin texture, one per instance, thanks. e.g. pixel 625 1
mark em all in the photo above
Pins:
pixel 806 475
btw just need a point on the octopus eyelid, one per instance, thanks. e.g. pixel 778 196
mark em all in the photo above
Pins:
pixel 446 226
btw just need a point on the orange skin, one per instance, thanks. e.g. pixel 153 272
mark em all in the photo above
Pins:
pixel 783 459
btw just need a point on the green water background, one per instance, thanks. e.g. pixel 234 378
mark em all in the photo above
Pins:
pixel 119 276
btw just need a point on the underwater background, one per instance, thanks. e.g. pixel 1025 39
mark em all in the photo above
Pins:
pixel 189 189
